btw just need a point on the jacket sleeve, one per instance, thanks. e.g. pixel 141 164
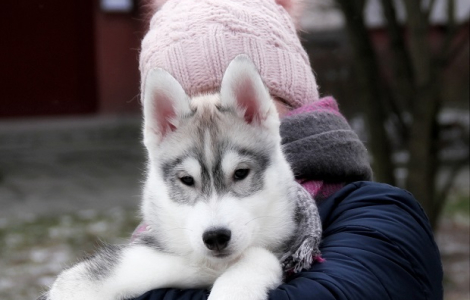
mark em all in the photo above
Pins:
pixel 377 244
pixel 175 294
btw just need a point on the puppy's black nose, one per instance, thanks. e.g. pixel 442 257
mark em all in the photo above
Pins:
pixel 217 238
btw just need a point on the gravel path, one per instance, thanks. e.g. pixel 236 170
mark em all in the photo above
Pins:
pixel 61 166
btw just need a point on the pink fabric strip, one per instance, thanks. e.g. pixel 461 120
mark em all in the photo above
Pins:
pixel 319 188
pixel 326 104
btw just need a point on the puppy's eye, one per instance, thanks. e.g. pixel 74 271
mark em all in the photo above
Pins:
pixel 187 180
pixel 241 174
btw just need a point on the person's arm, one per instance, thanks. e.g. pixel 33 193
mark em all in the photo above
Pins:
pixel 175 294
pixel 377 244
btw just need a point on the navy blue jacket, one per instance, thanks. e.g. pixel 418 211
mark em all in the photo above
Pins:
pixel 377 243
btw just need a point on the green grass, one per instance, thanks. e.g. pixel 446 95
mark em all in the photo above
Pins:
pixel 458 204
pixel 82 230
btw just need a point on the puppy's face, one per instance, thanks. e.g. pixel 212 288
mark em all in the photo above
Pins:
pixel 216 170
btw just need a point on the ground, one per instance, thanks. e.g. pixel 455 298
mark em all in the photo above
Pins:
pixel 66 187
pixel 453 239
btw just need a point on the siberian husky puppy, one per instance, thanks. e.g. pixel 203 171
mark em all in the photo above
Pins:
pixel 218 199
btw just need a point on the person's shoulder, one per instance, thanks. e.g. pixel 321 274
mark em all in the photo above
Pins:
pixel 388 212
pixel 378 206
pixel 357 198
pixel 373 189
pixel 382 212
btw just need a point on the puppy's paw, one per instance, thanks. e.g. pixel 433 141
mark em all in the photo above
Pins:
pixel 250 278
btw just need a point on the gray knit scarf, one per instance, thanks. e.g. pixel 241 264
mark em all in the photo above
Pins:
pixel 303 248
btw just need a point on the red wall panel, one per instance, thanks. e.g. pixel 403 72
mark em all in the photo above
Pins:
pixel 47 62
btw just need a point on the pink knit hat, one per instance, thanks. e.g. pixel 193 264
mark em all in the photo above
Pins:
pixel 195 40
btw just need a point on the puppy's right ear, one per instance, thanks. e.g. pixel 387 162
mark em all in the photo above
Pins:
pixel 243 89
pixel 164 101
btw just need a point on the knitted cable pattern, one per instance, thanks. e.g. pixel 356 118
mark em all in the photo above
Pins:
pixel 196 40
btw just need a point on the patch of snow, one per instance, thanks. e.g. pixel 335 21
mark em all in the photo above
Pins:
pixel 87 214
pixel 98 227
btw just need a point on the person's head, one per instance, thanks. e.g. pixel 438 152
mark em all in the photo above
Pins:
pixel 195 41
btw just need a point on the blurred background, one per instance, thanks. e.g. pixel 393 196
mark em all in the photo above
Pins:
pixel 71 159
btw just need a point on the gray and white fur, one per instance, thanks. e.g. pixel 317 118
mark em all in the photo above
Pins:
pixel 219 199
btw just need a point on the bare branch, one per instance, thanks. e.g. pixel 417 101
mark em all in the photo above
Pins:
pixel 419 47
pixel 429 10
pixel 455 51
pixel 451 31
pixel 452 43
pixel 369 86
pixel 444 192
pixel 401 66
pixel 455 168
pixel 360 4
pixel 421 164
pixel 396 113
pixel 451 12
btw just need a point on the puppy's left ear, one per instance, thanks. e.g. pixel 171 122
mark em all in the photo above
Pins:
pixel 243 90
pixel 164 104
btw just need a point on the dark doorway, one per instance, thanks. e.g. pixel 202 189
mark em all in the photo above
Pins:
pixel 47 59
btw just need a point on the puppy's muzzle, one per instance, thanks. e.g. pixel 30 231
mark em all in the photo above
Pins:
pixel 216 239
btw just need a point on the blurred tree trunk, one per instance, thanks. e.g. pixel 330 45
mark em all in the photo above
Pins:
pixel 369 93
pixel 422 147
pixel 414 89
